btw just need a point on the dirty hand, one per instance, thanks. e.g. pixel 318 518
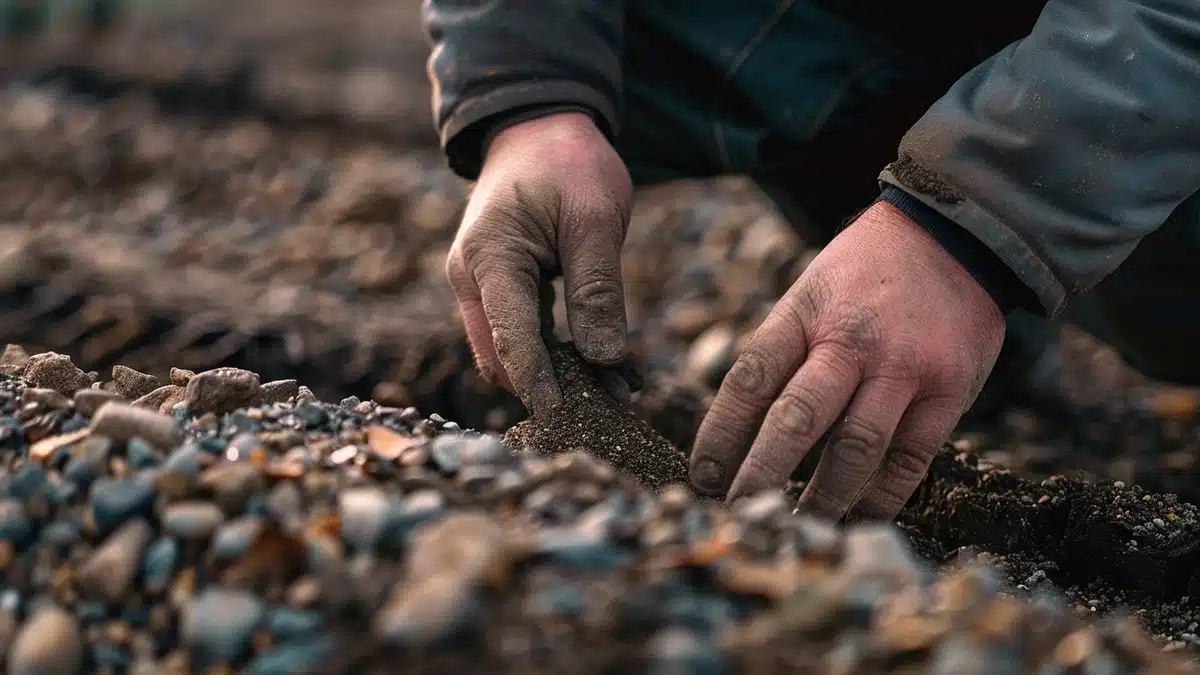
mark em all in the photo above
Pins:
pixel 553 197
pixel 886 339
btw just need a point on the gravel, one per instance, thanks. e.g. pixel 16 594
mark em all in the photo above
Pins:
pixel 290 537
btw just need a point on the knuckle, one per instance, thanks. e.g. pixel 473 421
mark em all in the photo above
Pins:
pixel 859 442
pixel 794 414
pixel 750 378
pixel 903 470
pixel 597 289
pixel 906 465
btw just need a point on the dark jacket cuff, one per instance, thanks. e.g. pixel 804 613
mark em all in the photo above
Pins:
pixel 1006 289
pixel 467 131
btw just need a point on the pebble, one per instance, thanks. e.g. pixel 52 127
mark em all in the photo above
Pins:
pixel 190 521
pixel 122 422
pixel 221 390
pixel 295 535
pixel 132 384
pixel 88 401
pixel 161 398
pixel 56 371
pixel 117 500
pixel 108 574
pixel 48 644
pixel 279 391
pixel 218 627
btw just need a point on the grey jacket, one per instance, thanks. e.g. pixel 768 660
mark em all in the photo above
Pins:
pixel 1060 153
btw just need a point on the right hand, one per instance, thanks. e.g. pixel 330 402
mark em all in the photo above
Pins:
pixel 553 197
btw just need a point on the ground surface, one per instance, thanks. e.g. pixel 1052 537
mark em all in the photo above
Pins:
pixel 260 188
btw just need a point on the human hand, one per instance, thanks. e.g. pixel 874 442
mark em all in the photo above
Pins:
pixel 553 197
pixel 886 339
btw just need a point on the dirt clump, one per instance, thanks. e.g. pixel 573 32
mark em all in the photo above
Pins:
pixel 591 420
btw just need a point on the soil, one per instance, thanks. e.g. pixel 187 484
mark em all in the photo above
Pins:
pixel 205 187
pixel 591 420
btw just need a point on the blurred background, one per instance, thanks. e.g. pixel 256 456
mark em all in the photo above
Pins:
pixel 257 184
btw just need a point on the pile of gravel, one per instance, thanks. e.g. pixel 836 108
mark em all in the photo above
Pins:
pixel 218 524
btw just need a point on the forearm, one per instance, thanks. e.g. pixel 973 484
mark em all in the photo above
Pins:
pixel 1065 149
pixel 495 61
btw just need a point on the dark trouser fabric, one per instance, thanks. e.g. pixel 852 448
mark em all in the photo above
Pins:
pixel 811 101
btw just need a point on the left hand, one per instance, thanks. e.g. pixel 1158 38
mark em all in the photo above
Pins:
pixel 886 339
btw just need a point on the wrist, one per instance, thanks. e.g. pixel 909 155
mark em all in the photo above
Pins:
pixel 554 126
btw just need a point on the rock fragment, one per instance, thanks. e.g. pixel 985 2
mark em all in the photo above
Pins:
pixel 221 390
pixel 55 371
pixel 123 422
pixel 109 572
pixel 133 384
pixel 161 399
pixel 279 391
pixel 48 644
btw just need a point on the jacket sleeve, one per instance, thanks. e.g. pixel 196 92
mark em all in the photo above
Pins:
pixel 1066 148
pixel 499 60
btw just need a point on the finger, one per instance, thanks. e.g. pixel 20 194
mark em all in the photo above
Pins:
pixel 615 385
pixel 510 301
pixel 810 403
pixel 769 360
pixel 479 331
pixel 595 295
pixel 857 446
pixel 923 429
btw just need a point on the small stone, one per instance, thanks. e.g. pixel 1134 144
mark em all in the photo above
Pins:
pixel 111 569
pixel 15 525
pixel 132 384
pixel 123 422
pixel 279 391
pixel 234 539
pixel 47 398
pixel 163 397
pixel 49 644
pixel 1159 523
pixel 294 657
pixel 365 513
pixel 191 521
pixel 88 401
pixel 13 360
pixel 763 507
pixel 313 416
pixel 233 485
pixel 221 390
pixel 427 612
pixel 159 563
pixel 677 651
pixel 305 395
pixel 46 448
pixel 180 377
pixel 117 500
pixel 218 628
pixel 880 548
pixel 56 371
pixel 447 453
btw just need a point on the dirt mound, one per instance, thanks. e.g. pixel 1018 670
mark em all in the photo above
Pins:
pixel 592 421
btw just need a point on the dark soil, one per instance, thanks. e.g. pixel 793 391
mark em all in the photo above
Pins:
pixel 592 421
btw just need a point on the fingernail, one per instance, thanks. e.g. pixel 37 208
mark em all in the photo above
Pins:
pixel 708 476
pixel 603 346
